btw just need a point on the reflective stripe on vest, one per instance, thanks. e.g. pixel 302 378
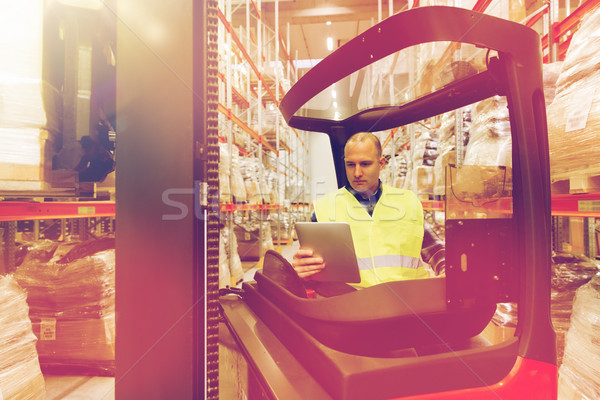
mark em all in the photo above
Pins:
pixel 387 260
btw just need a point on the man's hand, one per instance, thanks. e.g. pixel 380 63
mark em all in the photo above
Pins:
pixel 306 265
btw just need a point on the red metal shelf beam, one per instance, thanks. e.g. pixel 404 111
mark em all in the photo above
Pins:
pixel 566 205
pixel 237 97
pixel 230 115
pixel 569 25
pixel 576 205
pixel 241 47
pixel 23 210
pixel 481 5
pixel 535 16
pixel 230 207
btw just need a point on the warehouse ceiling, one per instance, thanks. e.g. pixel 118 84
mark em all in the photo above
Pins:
pixel 308 22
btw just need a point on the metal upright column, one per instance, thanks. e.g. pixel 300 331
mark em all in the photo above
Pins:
pixel 259 89
pixel 277 117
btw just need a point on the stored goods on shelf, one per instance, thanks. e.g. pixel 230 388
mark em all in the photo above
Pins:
pixel 71 291
pixel 569 272
pixel 25 149
pixel 551 73
pixel 226 172
pixel 20 374
pixel 489 137
pixel 574 115
pixel 249 239
pixel 254 174
pixel 423 158
pixel 579 374
pixel 447 147
pixel 230 265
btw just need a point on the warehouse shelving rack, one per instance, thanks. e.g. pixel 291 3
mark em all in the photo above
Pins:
pixel 259 48
pixel 85 218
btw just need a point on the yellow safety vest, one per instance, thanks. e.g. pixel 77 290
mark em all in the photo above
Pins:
pixel 388 243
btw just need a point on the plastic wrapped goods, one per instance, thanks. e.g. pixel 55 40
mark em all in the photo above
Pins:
pixel 231 272
pixel 20 374
pixel 551 73
pixel 424 155
pixel 224 169
pixel 579 374
pixel 446 149
pixel 71 301
pixel 21 110
pixel 394 172
pixel 231 182
pixel 238 189
pixel 489 138
pixel 569 272
pixel 254 176
pixel 574 115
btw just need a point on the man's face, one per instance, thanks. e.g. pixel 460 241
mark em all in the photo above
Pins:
pixel 363 166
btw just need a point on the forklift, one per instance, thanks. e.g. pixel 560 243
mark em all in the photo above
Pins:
pixel 421 339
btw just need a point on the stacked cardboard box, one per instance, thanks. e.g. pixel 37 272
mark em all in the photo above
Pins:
pixel 574 115
pixel 23 149
pixel 71 290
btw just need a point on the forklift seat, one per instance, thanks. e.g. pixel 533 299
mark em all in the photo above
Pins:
pixel 376 320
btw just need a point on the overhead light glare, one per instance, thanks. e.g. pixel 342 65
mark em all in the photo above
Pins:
pixel 328 23
pixel 333 94
pixel 329 43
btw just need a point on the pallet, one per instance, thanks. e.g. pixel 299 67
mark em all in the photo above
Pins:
pixel 59 183
pixel 576 183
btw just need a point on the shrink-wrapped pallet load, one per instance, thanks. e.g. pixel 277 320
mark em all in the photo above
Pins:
pixel 551 72
pixel 230 264
pixel 569 272
pixel 255 181
pixel 579 374
pixel 71 301
pixel 20 374
pixel 424 155
pixel 238 189
pixel 447 152
pixel 224 174
pixel 574 115
pixel 489 138
pixel 24 153
pixel 231 182
pixel 486 172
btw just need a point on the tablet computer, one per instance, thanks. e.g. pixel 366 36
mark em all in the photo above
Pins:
pixel 332 241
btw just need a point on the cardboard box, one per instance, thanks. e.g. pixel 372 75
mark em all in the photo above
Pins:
pixel 66 341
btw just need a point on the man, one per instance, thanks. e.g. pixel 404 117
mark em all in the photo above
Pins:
pixel 386 222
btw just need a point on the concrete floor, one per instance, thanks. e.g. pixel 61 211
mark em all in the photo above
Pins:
pixel 79 387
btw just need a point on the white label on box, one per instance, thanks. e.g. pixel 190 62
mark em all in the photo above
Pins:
pixel 581 103
pixel 48 329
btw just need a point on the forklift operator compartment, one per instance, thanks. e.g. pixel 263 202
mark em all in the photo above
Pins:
pixel 420 339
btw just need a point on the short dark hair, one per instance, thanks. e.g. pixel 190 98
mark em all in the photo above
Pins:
pixel 364 137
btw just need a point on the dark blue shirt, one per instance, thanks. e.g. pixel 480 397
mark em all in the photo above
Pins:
pixel 368 203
